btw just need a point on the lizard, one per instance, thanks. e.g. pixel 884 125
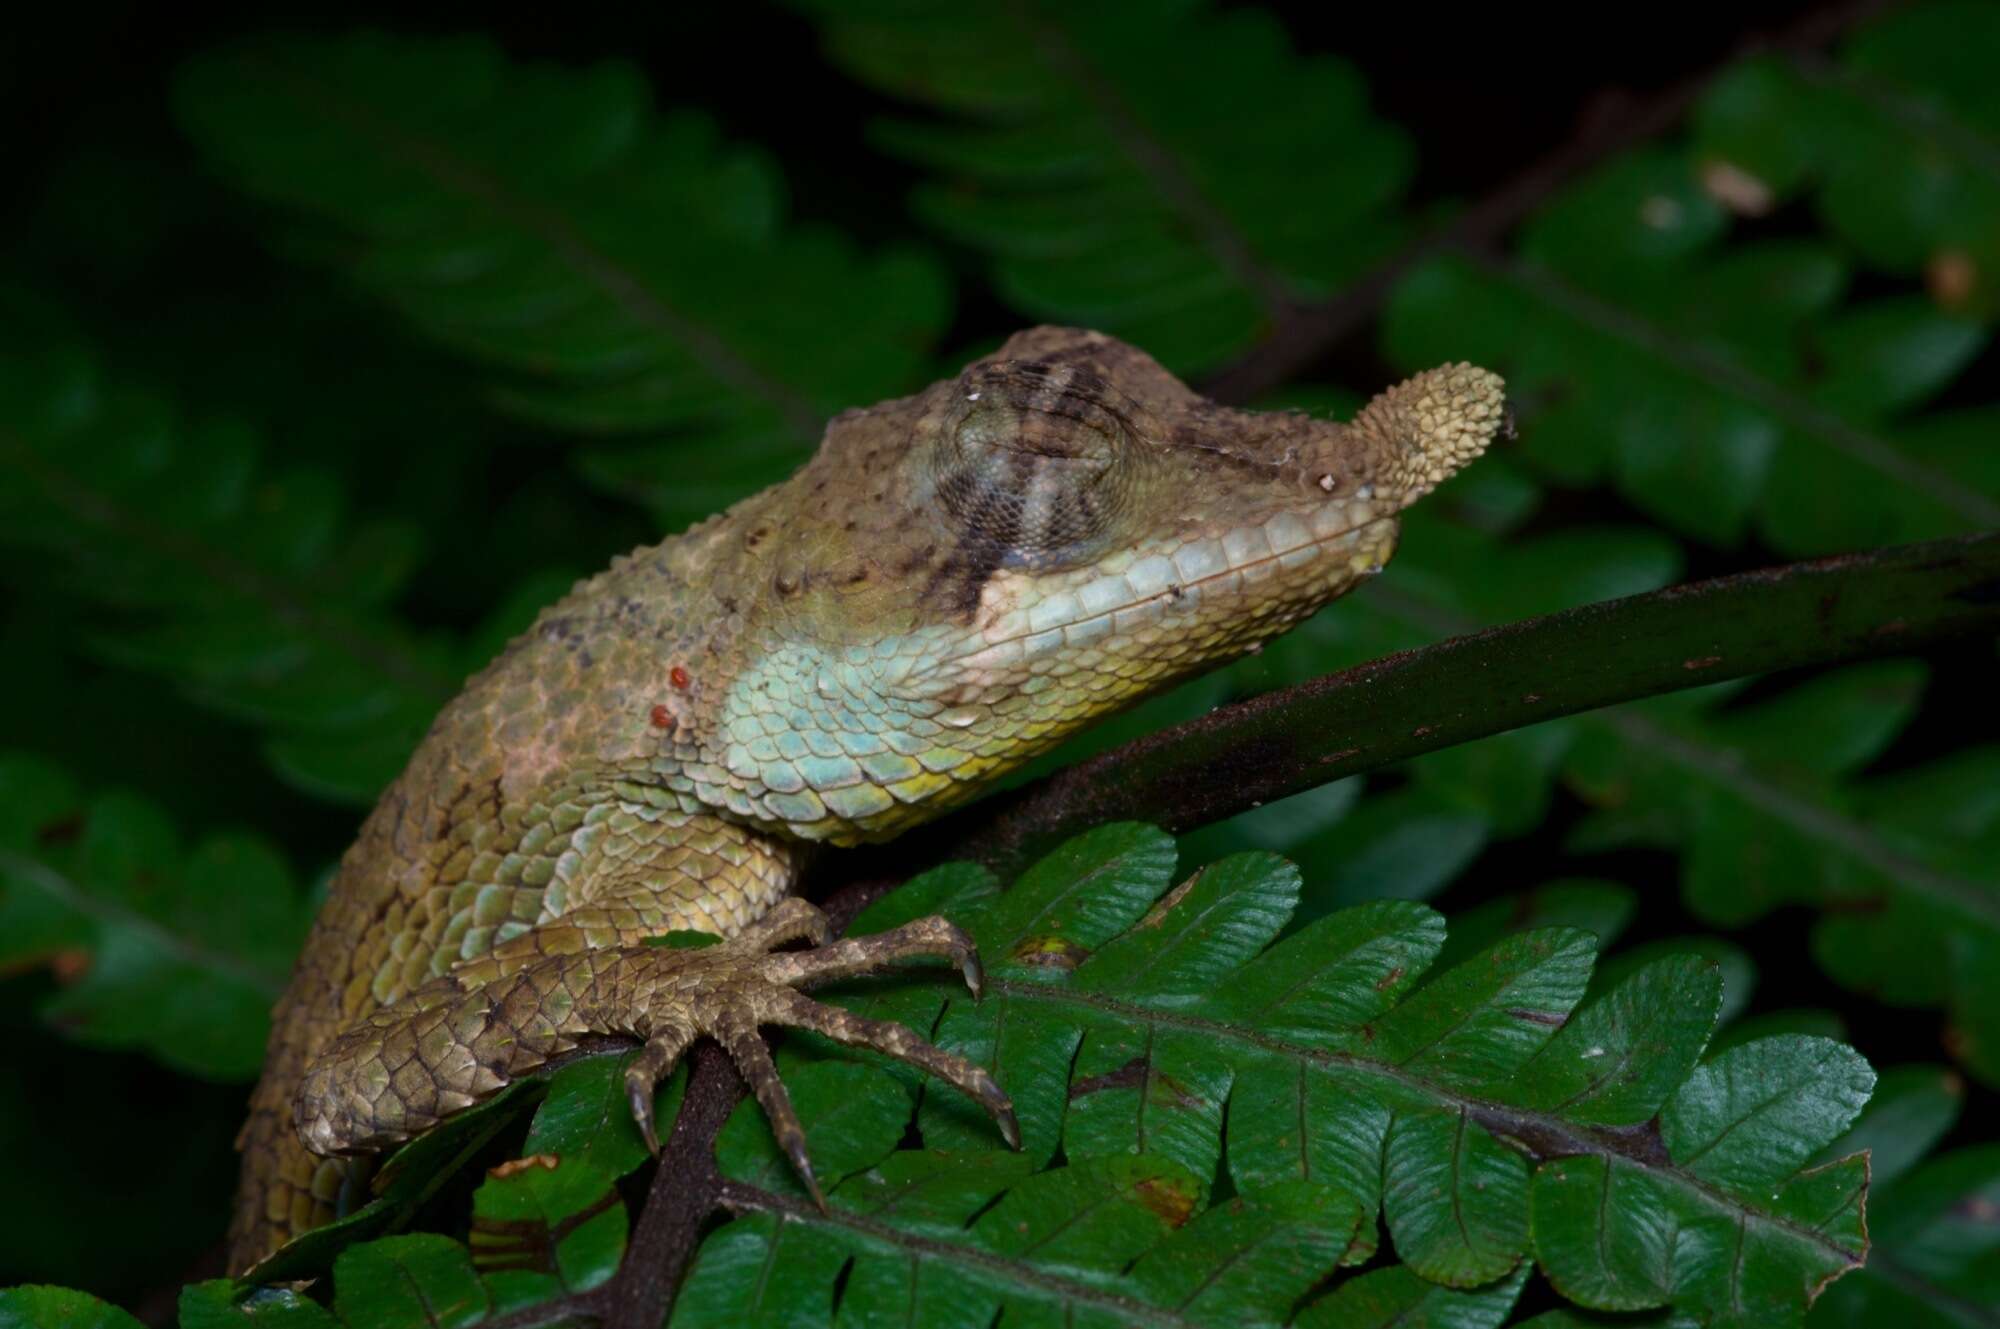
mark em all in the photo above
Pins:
pixel 955 581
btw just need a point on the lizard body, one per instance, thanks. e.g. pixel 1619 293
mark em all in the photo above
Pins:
pixel 955 581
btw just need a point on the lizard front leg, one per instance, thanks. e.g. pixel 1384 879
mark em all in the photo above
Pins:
pixel 461 1038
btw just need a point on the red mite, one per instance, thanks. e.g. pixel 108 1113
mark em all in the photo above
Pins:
pixel 662 718
pixel 678 677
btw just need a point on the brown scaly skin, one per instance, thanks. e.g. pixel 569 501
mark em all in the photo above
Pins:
pixel 956 581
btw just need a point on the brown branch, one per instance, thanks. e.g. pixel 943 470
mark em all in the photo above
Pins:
pixel 685 1190
pixel 1301 333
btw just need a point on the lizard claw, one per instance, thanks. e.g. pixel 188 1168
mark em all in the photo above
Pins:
pixel 642 1112
pixel 795 1149
pixel 643 1076
pixel 774 1002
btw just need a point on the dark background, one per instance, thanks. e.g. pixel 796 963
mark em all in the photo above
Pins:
pixel 1485 91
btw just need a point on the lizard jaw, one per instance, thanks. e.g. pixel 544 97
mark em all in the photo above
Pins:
pixel 1319 554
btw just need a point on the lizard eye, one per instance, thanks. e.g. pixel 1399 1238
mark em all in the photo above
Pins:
pixel 1034 463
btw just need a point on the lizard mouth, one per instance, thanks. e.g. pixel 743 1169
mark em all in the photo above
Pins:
pixel 1134 591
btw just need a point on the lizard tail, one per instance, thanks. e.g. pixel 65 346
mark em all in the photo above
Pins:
pixel 283 1189
pixel 1431 425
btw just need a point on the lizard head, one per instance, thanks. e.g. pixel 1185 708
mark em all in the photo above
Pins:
pixel 971 574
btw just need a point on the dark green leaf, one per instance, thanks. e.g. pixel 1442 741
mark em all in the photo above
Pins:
pixel 242 583
pixel 1137 1090
pixel 853 1116
pixel 1325 983
pixel 409 1178
pixel 1935 1258
pixel 1615 1063
pixel 1326 1062
pixel 1406 846
pixel 1478 1024
pixel 1709 434
pixel 187 949
pixel 540 1228
pixel 1455 1198
pixel 1615 1236
pixel 1249 1260
pixel 951 889
pixel 1396 1298
pixel 586 1117
pixel 1751 1116
pixel 1912 1108
pixel 511 212
pixel 58 1308
pixel 1602 908
pixel 1109 877
pixel 419 1281
pixel 1198 932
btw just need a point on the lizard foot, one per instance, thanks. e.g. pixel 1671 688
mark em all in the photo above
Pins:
pixel 458 1039
pixel 766 994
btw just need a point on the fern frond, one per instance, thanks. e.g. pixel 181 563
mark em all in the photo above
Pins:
pixel 246 584
pixel 1896 144
pixel 1127 1023
pixel 617 271
pixel 1705 429
pixel 1132 1026
pixel 1730 385
pixel 176 952
pixel 1731 388
pixel 1175 176
pixel 1218 1109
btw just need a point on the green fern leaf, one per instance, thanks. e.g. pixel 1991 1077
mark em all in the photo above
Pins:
pixel 1892 142
pixel 1420 1105
pixel 546 1226
pixel 1496 1118
pixel 1395 1298
pixel 246 584
pixel 1174 176
pixel 1934 1250
pixel 618 272
pixel 40 1307
pixel 181 951
pixel 221 1304
pixel 1683 421
pixel 1726 385
pixel 1602 908
pixel 409 1282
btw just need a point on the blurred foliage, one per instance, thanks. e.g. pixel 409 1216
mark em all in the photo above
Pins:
pixel 244 586
pixel 177 952
pixel 1170 175
pixel 513 214
pixel 315 384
